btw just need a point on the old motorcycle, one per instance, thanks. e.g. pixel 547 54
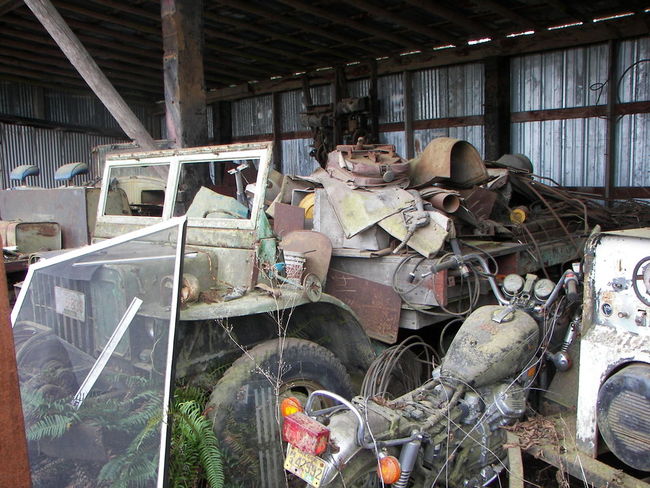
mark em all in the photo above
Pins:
pixel 448 430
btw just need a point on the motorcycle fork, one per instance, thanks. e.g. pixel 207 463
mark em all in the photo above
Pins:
pixel 407 459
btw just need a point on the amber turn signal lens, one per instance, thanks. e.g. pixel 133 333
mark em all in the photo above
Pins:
pixel 289 406
pixel 389 469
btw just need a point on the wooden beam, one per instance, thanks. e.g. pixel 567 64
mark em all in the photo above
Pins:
pixel 454 16
pixel 7 6
pixel 277 131
pixel 408 114
pixel 185 109
pixel 13 448
pixel 309 29
pixel 393 17
pixel 246 54
pixel 332 16
pixel 507 13
pixel 264 46
pixel 222 122
pixel 289 38
pixel 496 107
pixel 541 41
pixel 580 112
pixel 139 28
pixel 84 63
pixel 612 119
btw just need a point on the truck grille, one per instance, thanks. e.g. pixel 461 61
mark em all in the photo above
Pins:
pixel 75 328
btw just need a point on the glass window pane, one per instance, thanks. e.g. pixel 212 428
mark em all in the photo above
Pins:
pixel 137 190
pixel 92 333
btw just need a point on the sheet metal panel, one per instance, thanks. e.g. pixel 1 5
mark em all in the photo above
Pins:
pixel 46 148
pixel 559 79
pixel 16 99
pixel 252 116
pixel 472 134
pixel 390 92
pixel 633 150
pixel 571 152
pixel 296 159
pixel 451 91
pixel 292 104
pixel 634 86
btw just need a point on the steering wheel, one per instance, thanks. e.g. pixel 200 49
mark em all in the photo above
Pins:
pixel 645 277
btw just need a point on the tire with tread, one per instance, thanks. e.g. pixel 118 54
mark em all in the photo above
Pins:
pixel 244 404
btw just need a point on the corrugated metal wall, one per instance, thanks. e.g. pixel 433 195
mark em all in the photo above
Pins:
pixel 46 148
pixel 573 151
pixel 633 131
pixel 252 116
pixel 452 91
pixel 51 148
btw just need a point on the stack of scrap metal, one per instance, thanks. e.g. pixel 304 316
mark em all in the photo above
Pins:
pixel 370 199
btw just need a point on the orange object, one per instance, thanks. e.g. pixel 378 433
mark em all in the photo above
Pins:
pixel 290 405
pixel 389 469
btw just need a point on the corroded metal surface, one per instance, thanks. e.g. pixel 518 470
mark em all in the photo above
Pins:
pixel 377 305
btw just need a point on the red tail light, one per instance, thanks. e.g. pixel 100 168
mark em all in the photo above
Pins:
pixel 305 433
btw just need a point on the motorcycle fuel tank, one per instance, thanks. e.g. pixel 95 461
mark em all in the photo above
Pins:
pixel 484 351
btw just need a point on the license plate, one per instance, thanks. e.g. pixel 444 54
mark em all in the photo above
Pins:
pixel 307 467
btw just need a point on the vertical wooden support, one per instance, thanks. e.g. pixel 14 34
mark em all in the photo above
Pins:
pixel 14 469
pixel 185 109
pixel 374 103
pixel 497 107
pixel 612 119
pixel 222 122
pixel 277 131
pixel 339 91
pixel 90 72
pixel 407 80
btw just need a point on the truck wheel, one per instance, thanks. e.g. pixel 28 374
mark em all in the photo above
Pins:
pixel 244 404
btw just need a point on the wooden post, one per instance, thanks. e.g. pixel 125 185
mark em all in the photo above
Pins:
pixel 222 122
pixel 71 46
pixel 277 131
pixel 182 29
pixel 14 469
pixel 497 107
pixel 374 103
pixel 408 114
pixel 612 119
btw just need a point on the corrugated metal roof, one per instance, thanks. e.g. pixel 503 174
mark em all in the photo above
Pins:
pixel 452 91
pixel 571 152
pixel 46 148
pixel 559 79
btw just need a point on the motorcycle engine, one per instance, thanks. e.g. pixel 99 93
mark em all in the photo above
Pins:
pixel 469 451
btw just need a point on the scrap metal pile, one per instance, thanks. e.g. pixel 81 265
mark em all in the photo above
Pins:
pixel 383 203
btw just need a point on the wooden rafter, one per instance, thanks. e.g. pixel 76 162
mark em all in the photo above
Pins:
pixel 454 16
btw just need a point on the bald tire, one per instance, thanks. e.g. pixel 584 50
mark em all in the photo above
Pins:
pixel 244 406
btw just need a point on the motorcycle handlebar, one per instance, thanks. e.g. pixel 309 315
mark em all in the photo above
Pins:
pixel 458 260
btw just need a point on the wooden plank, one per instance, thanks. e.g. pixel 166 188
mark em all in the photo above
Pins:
pixel 14 470
pixel 408 115
pixel 540 41
pixel 84 63
pixel 497 107
pixel 183 72
pixel 277 131
pixel 580 112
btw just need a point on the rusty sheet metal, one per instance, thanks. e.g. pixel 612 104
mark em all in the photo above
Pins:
pixel 479 201
pixel 288 218
pixel 448 158
pixel 14 470
pixel 377 306
pixel 317 248
pixel 66 206
pixel 30 237
pixel 358 210
pixel 426 240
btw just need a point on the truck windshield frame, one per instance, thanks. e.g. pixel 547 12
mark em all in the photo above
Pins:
pixel 257 155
